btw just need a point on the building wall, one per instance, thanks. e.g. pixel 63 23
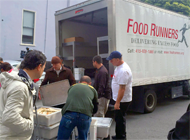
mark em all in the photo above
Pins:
pixel 11 25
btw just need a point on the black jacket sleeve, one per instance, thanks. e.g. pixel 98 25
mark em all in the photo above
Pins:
pixel 182 128
pixel 95 103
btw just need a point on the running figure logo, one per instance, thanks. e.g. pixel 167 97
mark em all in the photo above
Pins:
pixel 184 29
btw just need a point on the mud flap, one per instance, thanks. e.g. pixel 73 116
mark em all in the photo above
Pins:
pixel 177 92
pixel 137 104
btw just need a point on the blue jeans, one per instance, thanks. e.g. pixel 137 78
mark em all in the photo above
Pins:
pixel 69 121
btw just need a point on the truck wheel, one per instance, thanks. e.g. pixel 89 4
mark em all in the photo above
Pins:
pixel 150 103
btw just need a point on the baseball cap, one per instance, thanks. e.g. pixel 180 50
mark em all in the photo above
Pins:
pixel 114 54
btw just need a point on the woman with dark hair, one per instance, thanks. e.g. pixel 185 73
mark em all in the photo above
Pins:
pixel 5 67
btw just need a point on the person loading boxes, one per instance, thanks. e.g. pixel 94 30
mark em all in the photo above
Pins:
pixel 57 73
pixel 77 112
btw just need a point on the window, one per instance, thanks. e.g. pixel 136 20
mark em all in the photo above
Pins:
pixel 28 27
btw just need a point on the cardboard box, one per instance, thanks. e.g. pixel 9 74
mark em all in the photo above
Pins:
pixel 72 39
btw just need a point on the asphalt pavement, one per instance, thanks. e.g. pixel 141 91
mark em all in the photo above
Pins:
pixel 152 126
pixel 155 125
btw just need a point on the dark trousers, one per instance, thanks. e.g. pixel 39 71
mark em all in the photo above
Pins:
pixel 120 128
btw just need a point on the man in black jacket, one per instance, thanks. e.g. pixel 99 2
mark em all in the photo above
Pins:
pixel 101 84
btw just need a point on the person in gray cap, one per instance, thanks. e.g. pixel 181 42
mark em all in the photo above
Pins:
pixel 121 91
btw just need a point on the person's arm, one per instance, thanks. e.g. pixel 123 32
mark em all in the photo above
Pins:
pixel 71 78
pixel 102 83
pixel 120 96
pixel 45 81
pixel 123 80
pixel 95 101
pixel 11 116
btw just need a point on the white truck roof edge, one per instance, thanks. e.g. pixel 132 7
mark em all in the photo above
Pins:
pixel 70 8
pixel 156 8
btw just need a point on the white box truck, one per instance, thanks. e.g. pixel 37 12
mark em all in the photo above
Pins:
pixel 153 41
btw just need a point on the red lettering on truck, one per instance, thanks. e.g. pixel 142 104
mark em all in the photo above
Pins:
pixel 173 31
pixel 157 31
pixel 78 11
pixel 164 32
pixel 129 25
pixel 176 33
pixel 169 36
pixel 153 29
pixel 145 29
pixel 137 28
pixel 140 28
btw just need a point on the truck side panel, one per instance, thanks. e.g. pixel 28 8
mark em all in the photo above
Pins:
pixel 154 42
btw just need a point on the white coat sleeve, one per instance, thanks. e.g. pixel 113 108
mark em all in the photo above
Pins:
pixel 14 106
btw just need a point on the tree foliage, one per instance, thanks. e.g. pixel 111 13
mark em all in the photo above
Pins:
pixel 179 6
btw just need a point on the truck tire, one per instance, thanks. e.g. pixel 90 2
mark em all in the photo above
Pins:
pixel 150 101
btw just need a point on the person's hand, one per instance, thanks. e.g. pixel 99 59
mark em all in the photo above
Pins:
pixel 117 106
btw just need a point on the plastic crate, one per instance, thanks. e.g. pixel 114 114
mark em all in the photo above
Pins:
pixel 93 130
pixel 103 126
pixel 46 132
pixel 48 120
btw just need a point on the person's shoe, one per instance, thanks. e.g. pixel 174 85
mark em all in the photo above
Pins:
pixel 116 138
pixel 107 138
